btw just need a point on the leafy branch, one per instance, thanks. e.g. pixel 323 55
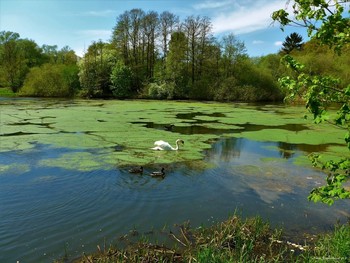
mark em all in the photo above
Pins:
pixel 319 92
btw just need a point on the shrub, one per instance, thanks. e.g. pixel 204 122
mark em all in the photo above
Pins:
pixel 49 81
pixel 161 91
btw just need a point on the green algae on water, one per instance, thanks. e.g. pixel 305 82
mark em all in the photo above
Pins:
pixel 106 134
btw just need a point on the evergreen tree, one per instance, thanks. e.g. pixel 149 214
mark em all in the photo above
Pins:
pixel 293 41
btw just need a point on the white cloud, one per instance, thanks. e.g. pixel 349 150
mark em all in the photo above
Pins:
pixel 93 13
pixel 248 17
pixel 100 13
pixel 278 43
pixel 212 4
pixel 258 42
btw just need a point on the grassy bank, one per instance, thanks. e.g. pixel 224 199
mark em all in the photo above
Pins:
pixel 235 240
pixel 7 92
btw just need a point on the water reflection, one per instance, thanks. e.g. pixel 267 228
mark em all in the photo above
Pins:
pixel 45 209
pixel 192 115
pixel 226 149
pixel 259 166
pixel 286 150
pixel 82 209
pixel 264 181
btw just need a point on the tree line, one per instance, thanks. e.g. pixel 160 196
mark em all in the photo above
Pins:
pixel 149 55
pixel 158 56
pixel 40 71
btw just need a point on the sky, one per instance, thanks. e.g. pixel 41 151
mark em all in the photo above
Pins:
pixel 77 23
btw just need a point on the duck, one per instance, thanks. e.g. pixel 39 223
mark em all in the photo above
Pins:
pixel 160 173
pixel 165 146
pixel 138 170
pixel 168 127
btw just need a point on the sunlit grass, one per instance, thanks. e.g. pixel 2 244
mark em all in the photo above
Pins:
pixel 234 240
pixel 7 92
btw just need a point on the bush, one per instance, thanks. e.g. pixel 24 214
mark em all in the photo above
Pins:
pixel 201 90
pixel 227 90
pixel 49 81
pixel 161 91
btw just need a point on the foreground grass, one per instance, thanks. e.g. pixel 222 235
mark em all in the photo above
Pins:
pixel 234 240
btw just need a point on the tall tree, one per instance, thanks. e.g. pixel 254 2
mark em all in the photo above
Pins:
pixel 67 56
pixel 325 21
pixel 176 65
pixel 192 27
pixel 51 53
pixel 168 23
pixel 204 43
pixel 95 69
pixel 31 53
pixel 136 18
pixel 150 25
pixel 10 58
pixel 292 42
pixel 232 51
pixel 121 37
pixel 129 39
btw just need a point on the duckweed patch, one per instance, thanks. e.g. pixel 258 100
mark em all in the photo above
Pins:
pixel 14 169
pixel 133 126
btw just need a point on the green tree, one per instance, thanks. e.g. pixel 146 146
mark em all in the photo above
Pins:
pixel 67 56
pixel 233 51
pixel 192 27
pixel 121 81
pixel 51 53
pixel 31 53
pixel 134 38
pixel 272 63
pixel 176 64
pixel 51 80
pixel 332 29
pixel 168 22
pixel 10 59
pixel 149 26
pixel 292 42
pixel 17 56
pixel 95 69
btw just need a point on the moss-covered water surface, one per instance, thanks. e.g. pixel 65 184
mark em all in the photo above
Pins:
pixel 65 186
pixel 107 133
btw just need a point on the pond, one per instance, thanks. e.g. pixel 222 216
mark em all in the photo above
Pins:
pixel 65 186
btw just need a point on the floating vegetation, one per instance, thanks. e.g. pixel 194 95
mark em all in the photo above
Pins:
pixel 133 126
pixel 14 169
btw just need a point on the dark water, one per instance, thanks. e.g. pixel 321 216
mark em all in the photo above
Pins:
pixel 47 213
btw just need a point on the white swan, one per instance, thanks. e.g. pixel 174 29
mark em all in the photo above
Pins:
pixel 165 146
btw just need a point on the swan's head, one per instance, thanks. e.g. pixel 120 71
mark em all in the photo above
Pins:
pixel 180 141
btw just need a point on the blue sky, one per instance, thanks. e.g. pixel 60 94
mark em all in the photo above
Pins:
pixel 76 23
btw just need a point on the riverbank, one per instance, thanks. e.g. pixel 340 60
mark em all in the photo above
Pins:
pixel 7 92
pixel 234 240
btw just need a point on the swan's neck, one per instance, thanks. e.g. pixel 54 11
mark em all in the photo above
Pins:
pixel 177 146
